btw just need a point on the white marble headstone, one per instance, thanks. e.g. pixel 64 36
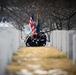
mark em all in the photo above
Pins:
pixel 54 40
pixel 64 41
pixel 74 49
pixel 9 44
pixel 59 39
pixel 14 36
pixel 51 38
pixel 70 43
pixel 5 47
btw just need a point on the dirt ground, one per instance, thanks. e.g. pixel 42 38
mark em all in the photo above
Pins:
pixel 40 61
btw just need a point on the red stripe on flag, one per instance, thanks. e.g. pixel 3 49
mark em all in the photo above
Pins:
pixel 32 25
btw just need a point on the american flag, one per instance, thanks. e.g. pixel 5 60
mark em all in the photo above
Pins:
pixel 32 25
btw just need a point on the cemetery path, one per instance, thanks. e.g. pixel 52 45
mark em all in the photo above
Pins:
pixel 40 61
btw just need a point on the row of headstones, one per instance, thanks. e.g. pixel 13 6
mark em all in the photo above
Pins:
pixel 65 41
pixel 10 41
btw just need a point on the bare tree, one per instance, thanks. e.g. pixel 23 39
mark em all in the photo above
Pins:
pixel 59 12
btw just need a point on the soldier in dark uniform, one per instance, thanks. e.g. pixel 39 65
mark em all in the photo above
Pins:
pixel 44 36
pixel 43 39
pixel 38 40
pixel 35 42
pixel 28 42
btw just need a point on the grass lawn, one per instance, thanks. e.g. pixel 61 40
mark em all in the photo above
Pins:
pixel 41 61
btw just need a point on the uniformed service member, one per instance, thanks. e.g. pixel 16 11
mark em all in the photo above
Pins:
pixel 36 40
